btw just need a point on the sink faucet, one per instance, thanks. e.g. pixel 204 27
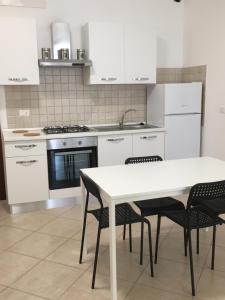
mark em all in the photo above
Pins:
pixel 121 122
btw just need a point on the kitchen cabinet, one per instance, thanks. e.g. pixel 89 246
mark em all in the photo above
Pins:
pixel 139 55
pixel 26 175
pixel 18 52
pixel 147 144
pixel 104 45
pixel 120 54
pixel 114 149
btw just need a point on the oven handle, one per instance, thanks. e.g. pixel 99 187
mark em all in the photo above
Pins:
pixel 74 152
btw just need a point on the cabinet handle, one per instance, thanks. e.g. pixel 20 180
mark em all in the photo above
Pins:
pixel 148 137
pixel 26 163
pixel 16 79
pixel 108 79
pixel 141 78
pixel 115 140
pixel 25 147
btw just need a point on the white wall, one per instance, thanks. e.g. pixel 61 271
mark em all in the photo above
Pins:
pixel 165 17
pixel 204 43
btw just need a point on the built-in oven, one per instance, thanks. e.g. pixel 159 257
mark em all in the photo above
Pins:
pixel 65 159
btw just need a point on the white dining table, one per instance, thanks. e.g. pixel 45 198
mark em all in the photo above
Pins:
pixel 135 182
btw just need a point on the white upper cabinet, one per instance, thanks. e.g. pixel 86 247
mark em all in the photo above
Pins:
pixel 139 55
pixel 104 45
pixel 120 54
pixel 18 52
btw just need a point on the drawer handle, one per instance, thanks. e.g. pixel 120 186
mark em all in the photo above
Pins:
pixel 18 79
pixel 115 140
pixel 141 78
pixel 25 147
pixel 26 163
pixel 108 79
pixel 148 137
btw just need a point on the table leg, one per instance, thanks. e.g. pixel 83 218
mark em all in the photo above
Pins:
pixel 113 271
pixel 82 204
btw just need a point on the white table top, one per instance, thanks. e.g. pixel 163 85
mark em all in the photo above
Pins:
pixel 155 179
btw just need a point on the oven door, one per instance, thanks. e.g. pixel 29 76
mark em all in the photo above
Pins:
pixel 64 166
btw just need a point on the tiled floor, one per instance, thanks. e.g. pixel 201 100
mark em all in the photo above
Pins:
pixel 39 254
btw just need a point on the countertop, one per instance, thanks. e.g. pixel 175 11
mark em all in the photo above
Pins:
pixel 9 136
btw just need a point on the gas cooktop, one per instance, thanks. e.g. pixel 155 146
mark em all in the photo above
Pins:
pixel 65 129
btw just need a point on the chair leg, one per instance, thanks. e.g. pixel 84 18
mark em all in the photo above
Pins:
pixel 213 247
pixel 185 242
pixel 130 237
pixel 191 263
pixel 150 249
pixel 124 231
pixel 82 239
pixel 197 241
pixel 96 257
pixel 157 238
pixel 142 243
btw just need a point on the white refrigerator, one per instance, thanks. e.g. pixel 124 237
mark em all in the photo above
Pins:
pixel 177 107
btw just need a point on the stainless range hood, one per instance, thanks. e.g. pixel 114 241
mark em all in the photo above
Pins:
pixel 64 63
pixel 60 40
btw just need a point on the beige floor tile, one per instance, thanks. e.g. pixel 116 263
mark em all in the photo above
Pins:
pixel 128 267
pixel 48 280
pixel 9 236
pixel 219 259
pixel 55 211
pixel 102 288
pixel 211 285
pixel 62 227
pixel 140 292
pixel 69 253
pixel 75 213
pixel 170 276
pixel 38 245
pixel 172 247
pixel 29 221
pixel 10 294
pixel 13 266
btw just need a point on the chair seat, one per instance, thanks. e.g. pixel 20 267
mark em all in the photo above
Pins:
pixel 197 218
pixel 156 206
pixel 214 206
pixel 124 215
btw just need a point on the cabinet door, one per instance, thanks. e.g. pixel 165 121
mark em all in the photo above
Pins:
pixel 27 179
pixel 147 144
pixel 105 50
pixel 140 55
pixel 114 149
pixel 18 52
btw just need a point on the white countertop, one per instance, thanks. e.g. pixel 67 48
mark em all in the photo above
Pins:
pixel 9 136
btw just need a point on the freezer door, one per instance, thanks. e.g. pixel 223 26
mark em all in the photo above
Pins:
pixel 183 136
pixel 183 98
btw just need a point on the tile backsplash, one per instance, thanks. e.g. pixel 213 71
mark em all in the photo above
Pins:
pixel 63 98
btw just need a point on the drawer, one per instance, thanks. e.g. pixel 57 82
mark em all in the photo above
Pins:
pixel 25 148
pixel 148 144
pixel 27 179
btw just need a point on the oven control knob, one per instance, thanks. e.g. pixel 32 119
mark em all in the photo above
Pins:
pixel 80 143
pixel 64 143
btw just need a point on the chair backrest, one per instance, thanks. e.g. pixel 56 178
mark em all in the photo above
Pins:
pixel 142 159
pixel 206 191
pixel 91 188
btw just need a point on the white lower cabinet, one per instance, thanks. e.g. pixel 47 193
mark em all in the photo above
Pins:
pixel 147 144
pixel 114 149
pixel 27 179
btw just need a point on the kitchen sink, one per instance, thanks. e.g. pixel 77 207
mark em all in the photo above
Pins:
pixel 125 127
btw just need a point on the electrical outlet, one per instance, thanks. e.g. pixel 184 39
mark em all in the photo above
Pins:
pixel 24 112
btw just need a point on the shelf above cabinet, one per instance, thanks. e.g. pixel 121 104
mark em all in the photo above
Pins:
pixel 64 63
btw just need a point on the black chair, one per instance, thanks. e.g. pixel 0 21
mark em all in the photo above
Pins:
pixel 153 206
pixel 195 216
pixel 124 215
